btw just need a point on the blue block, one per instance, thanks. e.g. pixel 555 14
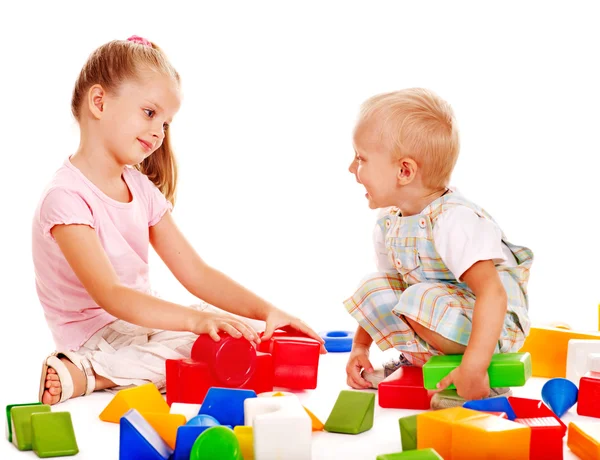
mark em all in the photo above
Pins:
pixel 337 341
pixel 226 405
pixel 500 404
pixel 186 437
pixel 139 441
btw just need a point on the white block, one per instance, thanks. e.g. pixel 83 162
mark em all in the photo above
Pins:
pixel 582 356
pixel 188 410
pixel 281 428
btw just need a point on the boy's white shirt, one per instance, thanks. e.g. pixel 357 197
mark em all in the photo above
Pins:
pixel 461 238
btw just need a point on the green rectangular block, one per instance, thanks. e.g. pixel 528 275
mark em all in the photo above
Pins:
pixel 53 434
pixel 408 432
pixel 506 369
pixel 8 420
pixel 421 454
pixel 352 413
pixel 21 424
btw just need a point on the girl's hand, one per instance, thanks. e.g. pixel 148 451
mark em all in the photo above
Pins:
pixel 470 382
pixel 278 319
pixel 211 323
pixel 359 360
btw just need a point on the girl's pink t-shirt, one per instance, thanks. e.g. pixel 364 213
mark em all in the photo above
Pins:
pixel 123 230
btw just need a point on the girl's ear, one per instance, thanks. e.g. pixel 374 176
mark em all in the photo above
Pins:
pixel 96 96
pixel 407 170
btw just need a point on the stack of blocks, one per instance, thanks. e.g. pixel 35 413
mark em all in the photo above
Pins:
pixel 35 427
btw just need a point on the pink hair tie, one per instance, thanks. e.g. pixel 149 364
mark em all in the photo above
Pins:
pixel 140 40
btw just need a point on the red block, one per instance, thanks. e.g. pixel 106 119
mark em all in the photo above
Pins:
pixel 546 438
pixel 533 408
pixel 187 381
pixel 404 390
pixel 588 398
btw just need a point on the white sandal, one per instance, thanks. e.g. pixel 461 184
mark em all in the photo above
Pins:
pixel 64 375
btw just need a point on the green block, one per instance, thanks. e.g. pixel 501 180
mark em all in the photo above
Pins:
pixel 421 454
pixel 352 413
pixel 506 369
pixel 8 421
pixel 408 432
pixel 53 434
pixel 21 424
pixel 217 442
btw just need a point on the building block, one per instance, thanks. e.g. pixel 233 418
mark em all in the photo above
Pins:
pixel 337 341
pixel 53 435
pixel 499 404
pixel 203 420
pixel 546 438
pixel 490 437
pixel 548 348
pixel 226 405
pixel 20 417
pixel 582 356
pixel 317 425
pixel 506 369
pixel 281 428
pixel 246 440
pixel 421 454
pixel 144 398
pixel 408 432
pixel 404 389
pixel 187 410
pixel 533 408
pixel 295 360
pixel 216 442
pixel 434 428
pixel 229 363
pixel 560 395
pixel 186 437
pixel 166 425
pixel 352 413
pixel 497 414
pixel 9 421
pixel 589 395
pixel 138 440
pixel 584 440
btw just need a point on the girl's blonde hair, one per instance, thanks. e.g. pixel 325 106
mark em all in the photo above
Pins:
pixel 417 123
pixel 111 65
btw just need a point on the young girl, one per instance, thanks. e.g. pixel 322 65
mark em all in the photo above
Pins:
pixel 91 233
pixel 449 281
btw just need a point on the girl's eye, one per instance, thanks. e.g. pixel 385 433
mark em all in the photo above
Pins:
pixel 149 112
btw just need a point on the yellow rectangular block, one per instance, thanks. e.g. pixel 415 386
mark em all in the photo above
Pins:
pixel 434 428
pixel 490 437
pixel 245 437
pixel 584 439
pixel 548 348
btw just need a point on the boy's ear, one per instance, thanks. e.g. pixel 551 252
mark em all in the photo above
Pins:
pixel 407 170
pixel 96 99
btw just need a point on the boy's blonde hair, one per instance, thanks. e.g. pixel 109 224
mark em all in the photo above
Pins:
pixel 109 66
pixel 417 123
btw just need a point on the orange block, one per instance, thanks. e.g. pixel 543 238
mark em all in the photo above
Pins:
pixel 548 348
pixel 317 425
pixel 584 439
pixel 490 437
pixel 434 429
pixel 145 398
pixel 245 437
pixel 165 425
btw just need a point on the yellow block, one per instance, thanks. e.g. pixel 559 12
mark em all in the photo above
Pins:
pixel 246 439
pixel 145 398
pixel 165 425
pixel 434 429
pixel 584 439
pixel 548 348
pixel 490 437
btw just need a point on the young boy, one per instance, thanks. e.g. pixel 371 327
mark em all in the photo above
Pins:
pixel 449 281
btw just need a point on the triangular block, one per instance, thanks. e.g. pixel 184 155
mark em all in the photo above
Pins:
pixel 53 434
pixel 21 424
pixel 165 425
pixel 408 432
pixel 421 454
pixel 499 404
pixel 584 439
pixel 8 420
pixel 226 405
pixel 138 440
pixel 145 398
pixel 352 413
pixel 317 425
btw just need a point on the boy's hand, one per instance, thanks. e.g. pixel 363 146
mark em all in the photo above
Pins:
pixel 278 319
pixel 359 360
pixel 470 382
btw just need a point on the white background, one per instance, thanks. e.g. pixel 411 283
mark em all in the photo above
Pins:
pixel 271 92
